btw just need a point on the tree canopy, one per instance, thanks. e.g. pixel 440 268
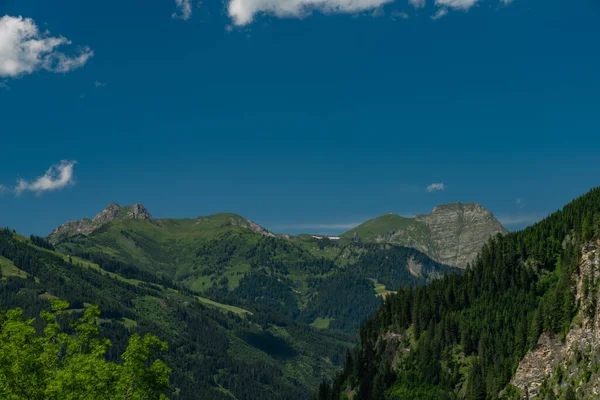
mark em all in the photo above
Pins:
pixel 72 365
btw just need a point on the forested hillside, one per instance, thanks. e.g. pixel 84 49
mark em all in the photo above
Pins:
pixel 215 351
pixel 275 318
pixel 463 336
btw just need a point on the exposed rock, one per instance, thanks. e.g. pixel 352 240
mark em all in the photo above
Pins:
pixel 459 231
pixel 138 211
pixel 86 226
pixel 73 228
pixel 414 267
pixel 254 227
pixel 111 212
pixel 452 234
pixel 580 352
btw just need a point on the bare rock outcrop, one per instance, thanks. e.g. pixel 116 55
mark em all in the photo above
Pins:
pixel 459 231
pixel 112 212
pixel 579 354
pixel 452 234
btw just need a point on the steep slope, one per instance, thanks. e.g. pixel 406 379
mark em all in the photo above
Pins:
pixel 554 366
pixel 214 353
pixel 451 234
pixel 529 304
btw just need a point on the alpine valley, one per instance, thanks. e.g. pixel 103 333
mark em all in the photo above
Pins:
pixel 248 314
pixel 447 305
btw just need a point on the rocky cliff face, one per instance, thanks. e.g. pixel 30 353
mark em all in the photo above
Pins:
pixel 458 231
pixel 451 234
pixel 112 212
pixel 554 366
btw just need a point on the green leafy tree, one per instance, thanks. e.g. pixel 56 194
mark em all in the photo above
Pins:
pixel 56 365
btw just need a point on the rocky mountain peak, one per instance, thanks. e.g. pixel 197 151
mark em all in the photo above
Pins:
pixel 112 211
pixel 451 234
pixel 460 207
pixel 460 231
pixel 138 211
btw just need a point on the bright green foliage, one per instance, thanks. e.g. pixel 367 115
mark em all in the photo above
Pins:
pixel 57 365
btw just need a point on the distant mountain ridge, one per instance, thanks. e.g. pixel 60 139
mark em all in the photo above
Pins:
pixel 137 211
pixel 452 234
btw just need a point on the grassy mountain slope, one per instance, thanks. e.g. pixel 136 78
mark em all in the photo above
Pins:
pixel 465 336
pixel 215 354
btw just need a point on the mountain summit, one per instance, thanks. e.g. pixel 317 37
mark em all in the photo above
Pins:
pixel 451 234
pixel 112 212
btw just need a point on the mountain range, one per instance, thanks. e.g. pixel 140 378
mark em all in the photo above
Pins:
pixel 232 297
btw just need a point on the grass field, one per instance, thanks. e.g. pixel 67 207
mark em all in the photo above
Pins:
pixel 321 323
pixel 223 307
pixel 380 289
pixel 9 269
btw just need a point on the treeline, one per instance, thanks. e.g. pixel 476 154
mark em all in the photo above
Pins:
pixel 467 333
pixel 41 242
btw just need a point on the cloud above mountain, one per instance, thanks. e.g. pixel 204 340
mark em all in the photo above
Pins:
pixel 24 49
pixel 436 187
pixel 57 177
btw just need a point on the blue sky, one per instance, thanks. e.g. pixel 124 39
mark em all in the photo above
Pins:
pixel 297 114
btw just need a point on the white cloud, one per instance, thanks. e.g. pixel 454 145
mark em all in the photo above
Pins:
pixel 24 50
pixel 3 189
pixel 184 8
pixel 436 187
pixel 521 219
pixel 417 3
pixel 506 2
pixel 398 15
pixel 99 84
pixel 456 4
pixel 442 12
pixel 57 177
pixel 243 11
